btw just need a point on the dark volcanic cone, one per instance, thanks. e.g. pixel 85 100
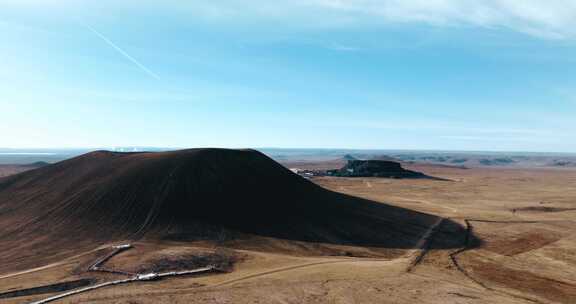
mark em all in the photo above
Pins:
pixel 104 196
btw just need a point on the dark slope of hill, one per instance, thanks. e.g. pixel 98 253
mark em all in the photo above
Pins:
pixel 6 170
pixel 103 196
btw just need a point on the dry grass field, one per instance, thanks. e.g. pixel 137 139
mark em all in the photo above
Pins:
pixel 524 218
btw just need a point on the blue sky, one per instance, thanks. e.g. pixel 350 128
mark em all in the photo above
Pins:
pixel 494 75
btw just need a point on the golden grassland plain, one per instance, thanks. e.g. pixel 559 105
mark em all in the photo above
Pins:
pixel 526 219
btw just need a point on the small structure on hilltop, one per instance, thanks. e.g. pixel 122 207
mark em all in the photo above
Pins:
pixel 375 168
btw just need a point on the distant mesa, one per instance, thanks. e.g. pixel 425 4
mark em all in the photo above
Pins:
pixel 37 164
pixel 375 168
pixel 459 160
pixel 496 161
pixel 349 157
pixel 563 163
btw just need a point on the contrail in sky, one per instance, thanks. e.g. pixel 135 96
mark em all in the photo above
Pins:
pixel 122 52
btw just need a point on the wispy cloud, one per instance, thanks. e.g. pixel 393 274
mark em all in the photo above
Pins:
pixel 343 48
pixel 554 19
pixel 432 125
pixel 539 18
pixel 507 139
pixel 549 19
pixel 567 94
pixel 123 53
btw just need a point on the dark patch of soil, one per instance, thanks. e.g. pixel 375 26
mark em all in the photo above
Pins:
pixel 522 242
pixel 544 209
pixel 58 287
pixel 222 259
pixel 523 281
pixel 463 295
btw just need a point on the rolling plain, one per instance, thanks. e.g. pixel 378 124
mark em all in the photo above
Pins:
pixel 479 235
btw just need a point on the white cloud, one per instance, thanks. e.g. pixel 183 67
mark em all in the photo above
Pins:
pixel 343 48
pixel 429 125
pixel 552 19
pixel 568 94
pixel 542 18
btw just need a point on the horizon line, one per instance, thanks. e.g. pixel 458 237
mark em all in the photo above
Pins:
pixel 93 148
